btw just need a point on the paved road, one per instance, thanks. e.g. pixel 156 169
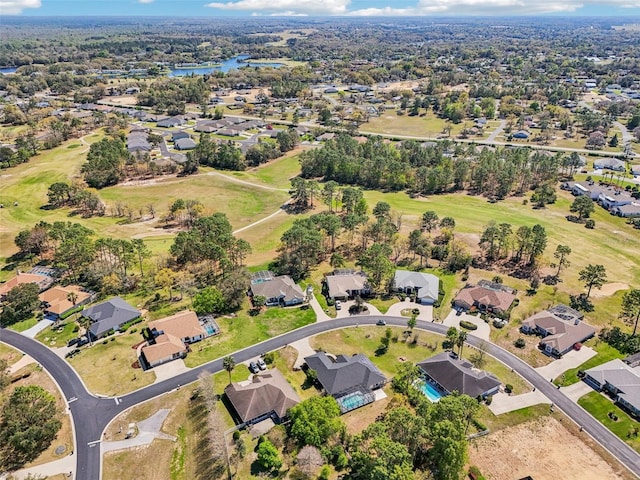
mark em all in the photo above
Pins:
pixel 91 414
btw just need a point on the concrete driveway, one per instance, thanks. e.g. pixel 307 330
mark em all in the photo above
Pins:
pixel 503 403
pixel 37 328
pixel 577 390
pixel 483 331
pixel 572 359
pixel 426 311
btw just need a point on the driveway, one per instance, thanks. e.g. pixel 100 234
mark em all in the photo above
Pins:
pixel 503 402
pixel 577 390
pixel 483 331
pixel 148 431
pixel 426 311
pixel 37 328
pixel 570 360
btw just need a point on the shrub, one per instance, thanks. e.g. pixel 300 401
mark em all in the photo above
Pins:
pixel 104 342
pixel 269 358
pixel 479 425
pixel 590 224
pixel 468 325
pixel 488 400
pixel 324 473
pixel 475 474
pixel 520 343
pixel 236 435
pixel 508 388
pixel 76 328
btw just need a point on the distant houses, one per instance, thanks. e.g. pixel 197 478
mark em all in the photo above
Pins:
pixel 610 164
pixel 615 200
pixel 171 122
pixel 267 395
pixel 561 328
pixel 137 142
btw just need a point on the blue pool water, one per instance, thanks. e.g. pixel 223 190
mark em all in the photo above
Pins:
pixel 430 391
pixel 209 329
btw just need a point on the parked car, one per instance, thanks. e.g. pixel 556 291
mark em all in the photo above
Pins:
pixel 381 322
pixel 253 367
pixel 261 364
pixel 73 341
pixel 83 341
pixel 72 353
pixel 338 305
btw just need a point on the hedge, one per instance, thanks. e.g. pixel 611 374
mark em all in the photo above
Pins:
pixel 75 309
pixel 468 325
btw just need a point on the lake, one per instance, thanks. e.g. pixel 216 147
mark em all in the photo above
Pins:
pixel 223 66
pixel 7 70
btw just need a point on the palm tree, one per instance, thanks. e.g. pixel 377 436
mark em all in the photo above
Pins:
pixel 72 297
pixel 452 336
pixel 229 363
pixel 462 336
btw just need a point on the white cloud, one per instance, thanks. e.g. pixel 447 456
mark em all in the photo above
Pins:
pixel 487 7
pixel 286 7
pixel 15 7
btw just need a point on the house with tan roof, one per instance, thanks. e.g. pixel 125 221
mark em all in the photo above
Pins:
pixel 169 338
pixel 486 297
pixel 42 281
pixel 561 328
pixel 280 290
pixel 267 395
pixel 344 284
pixel 57 301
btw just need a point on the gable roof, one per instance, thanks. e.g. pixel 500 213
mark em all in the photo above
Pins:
pixel 610 163
pixel 425 283
pixel 184 144
pixel 166 346
pixel 624 378
pixel 341 285
pixel 563 334
pixel 279 287
pixel 267 392
pixel 43 281
pixel 182 325
pixel 457 375
pixel 496 299
pixel 346 373
pixel 109 315
pixel 56 298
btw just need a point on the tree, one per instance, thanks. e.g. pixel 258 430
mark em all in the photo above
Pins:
pixel 268 456
pixel 314 421
pixel 613 143
pixel 452 336
pixel 208 300
pixel 19 303
pixel 29 423
pixel 429 221
pixel 448 222
pixel 229 363
pixel 5 378
pixel 593 276
pixel 411 323
pixel 165 278
pixel 631 307
pixel 545 194
pixel 583 206
pixel 561 254
pixel 462 337
pixel 104 162
pixel 141 251
pixel 375 260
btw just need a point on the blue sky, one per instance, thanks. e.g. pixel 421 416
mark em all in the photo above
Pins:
pixel 319 7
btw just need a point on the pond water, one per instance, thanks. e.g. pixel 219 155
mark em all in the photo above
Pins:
pixel 223 66
pixel 7 70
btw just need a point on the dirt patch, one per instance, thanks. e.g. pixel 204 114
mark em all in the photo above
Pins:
pixel 539 448
pixel 609 289
pixel 357 420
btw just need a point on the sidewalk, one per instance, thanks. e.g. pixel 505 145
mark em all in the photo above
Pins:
pixel 63 466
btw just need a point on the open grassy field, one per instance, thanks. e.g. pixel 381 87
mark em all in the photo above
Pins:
pixel 349 341
pixel 390 123
pixel 599 406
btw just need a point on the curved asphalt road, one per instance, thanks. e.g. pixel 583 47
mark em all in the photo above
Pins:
pixel 92 414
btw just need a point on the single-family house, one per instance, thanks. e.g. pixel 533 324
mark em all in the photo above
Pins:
pixel 281 290
pixel 178 135
pixel 425 286
pixel 343 284
pixel 628 211
pixel 184 144
pixel 42 281
pixel 350 380
pixel 329 90
pixel 486 296
pixel 109 315
pixel 325 136
pixel 614 197
pixel 610 164
pixel 169 338
pixel 619 380
pixel 137 142
pixel 449 374
pixel 57 301
pixel 635 170
pixel 633 360
pixel 521 135
pixel 561 328
pixel 171 122
pixel 268 395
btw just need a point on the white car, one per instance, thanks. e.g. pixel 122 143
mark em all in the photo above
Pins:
pixel 338 305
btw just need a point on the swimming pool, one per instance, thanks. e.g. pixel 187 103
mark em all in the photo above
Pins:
pixel 209 329
pixel 354 400
pixel 431 392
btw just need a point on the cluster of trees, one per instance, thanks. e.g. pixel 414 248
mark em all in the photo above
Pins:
pixel 524 246
pixel 19 304
pixel 105 162
pixel 29 422
pixel 76 195
pixel 404 444
pixel 170 95
pixel 436 168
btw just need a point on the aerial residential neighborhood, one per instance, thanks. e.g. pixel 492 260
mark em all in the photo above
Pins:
pixel 319 241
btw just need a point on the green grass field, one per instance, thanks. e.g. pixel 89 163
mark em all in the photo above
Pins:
pixel 605 354
pixel 599 406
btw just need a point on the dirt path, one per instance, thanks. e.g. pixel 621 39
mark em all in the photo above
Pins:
pixel 538 448
pixel 244 182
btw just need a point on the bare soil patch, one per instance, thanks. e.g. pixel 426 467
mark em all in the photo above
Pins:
pixel 609 289
pixel 539 448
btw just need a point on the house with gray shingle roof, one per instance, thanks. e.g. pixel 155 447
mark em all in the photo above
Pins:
pixel 453 374
pixel 619 380
pixel 280 290
pixel 184 144
pixel 109 315
pixel 424 285
pixel 345 375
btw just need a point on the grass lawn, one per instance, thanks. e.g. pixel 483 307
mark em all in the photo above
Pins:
pixel 599 406
pixel 23 325
pixel 390 123
pixel 59 336
pixel 244 330
pixel 383 303
pixel 11 355
pixel 113 360
pixel 510 419
pixel 349 341
pixel 605 354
